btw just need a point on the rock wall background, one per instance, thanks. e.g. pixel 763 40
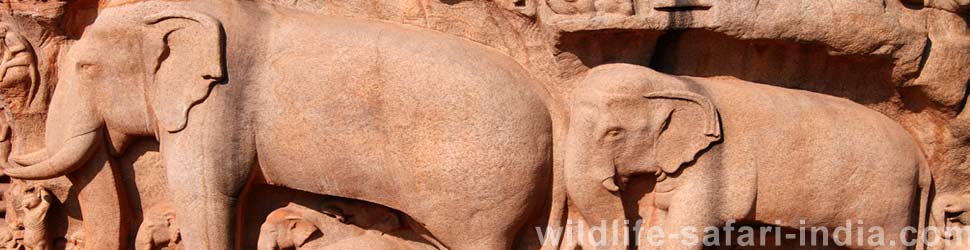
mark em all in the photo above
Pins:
pixel 906 59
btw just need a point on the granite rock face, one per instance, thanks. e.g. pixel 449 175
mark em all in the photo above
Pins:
pixel 484 124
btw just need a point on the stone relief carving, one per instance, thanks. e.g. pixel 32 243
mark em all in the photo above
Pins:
pixel 189 67
pixel 630 120
pixel 158 231
pixel 18 70
pixel 28 206
pixel 475 124
pixel 335 224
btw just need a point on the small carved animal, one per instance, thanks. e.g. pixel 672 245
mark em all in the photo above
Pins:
pixel 159 231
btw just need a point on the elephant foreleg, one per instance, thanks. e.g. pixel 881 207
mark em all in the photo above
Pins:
pixel 684 233
pixel 684 223
pixel 205 182
pixel 101 199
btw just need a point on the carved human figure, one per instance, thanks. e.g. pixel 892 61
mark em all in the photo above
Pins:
pixel 724 149
pixel 158 231
pixel 5 135
pixel 396 101
pixel 19 77
pixel 35 206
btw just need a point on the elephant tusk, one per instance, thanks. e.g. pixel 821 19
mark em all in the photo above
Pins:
pixel 31 158
pixel 75 151
pixel 609 184
pixel 661 175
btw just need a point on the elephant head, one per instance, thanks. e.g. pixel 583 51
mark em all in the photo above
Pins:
pixel 628 120
pixel 134 72
pixel 950 216
pixel 286 228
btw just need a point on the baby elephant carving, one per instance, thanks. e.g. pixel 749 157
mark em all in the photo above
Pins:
pixel 286 228
pixel 158 232
pixel 950 215
pixel 335 225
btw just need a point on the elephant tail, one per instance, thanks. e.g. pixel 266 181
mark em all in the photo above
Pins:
pixel 551 237
pixel 925 187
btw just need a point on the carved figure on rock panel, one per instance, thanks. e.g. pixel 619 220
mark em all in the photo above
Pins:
pixel 28 207
pixel 723 149
pixel 19 76
pixel 428 108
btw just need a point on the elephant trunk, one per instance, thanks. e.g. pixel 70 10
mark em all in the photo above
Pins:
pixel 73 130
pixel 591 187
pixel 71 156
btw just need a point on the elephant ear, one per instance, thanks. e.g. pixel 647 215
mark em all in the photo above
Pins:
pixel 690 125
pixel 185 57
pixel 300 231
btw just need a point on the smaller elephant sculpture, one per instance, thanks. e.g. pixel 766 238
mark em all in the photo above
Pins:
pixel 158 231
pixel 723 150
pixel 287 228
pixel 950 214
pixel 337 224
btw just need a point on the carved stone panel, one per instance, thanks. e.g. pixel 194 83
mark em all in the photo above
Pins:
pixel 484 124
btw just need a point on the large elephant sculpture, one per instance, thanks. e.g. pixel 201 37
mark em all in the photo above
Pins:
pixel 722 149
pixel 454 134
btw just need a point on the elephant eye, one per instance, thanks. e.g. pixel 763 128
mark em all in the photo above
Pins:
pixel 87 67
pixel 614 132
